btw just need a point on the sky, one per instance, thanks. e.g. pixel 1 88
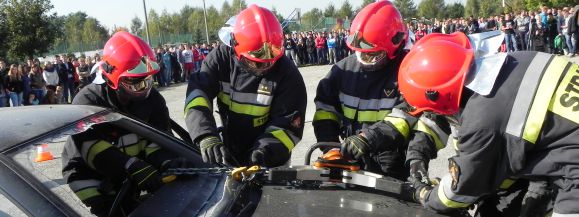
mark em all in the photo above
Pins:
pixel 120 12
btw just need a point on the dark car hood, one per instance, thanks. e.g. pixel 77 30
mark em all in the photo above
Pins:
pixel 289 201
pixel 19 124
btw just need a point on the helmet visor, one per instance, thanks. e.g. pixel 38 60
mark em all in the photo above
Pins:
pixel 357 41
pixel 145 66
pixel 256 67
pixel 371 58
pixel 137 84
pixel 266 53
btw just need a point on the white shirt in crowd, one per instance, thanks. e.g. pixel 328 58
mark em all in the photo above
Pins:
pixel 187 56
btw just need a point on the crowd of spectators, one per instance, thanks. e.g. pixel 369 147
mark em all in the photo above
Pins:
pixel 178 62
pixel 316 48
pixel 552 30
pixel 51 82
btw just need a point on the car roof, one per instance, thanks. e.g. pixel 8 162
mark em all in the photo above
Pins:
pixel 20 124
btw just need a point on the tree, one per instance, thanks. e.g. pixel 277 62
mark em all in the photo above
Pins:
pixel 365 3
pixel 407 8
pixel 136 26
pixel 472 8
pixel 455 10
pixel 3 29
pixel 431 8
pixel 311 19
pixel 490 8
pixel 330 10
pixel 345 11
pixel 238 5
pixel 30 30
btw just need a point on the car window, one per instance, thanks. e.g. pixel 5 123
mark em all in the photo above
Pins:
pixel 43 160
pixel 7 208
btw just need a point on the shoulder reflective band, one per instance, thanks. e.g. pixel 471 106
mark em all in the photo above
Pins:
pixel 448 198
pixel 282 136
pixel 325 115
pixel 530 107
pixel 400 124
pixel 565 103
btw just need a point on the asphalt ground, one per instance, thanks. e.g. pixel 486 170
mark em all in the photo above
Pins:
pixel 175 97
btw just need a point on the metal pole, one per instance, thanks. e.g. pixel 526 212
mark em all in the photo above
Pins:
pixel 205 17
pixel 146 23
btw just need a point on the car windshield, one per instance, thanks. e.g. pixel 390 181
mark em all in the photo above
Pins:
pixel 42 158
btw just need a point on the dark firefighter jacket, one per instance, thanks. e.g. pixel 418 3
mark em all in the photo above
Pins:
pixel 351 99
pixel 97 157
pixel 256 111
pixel 527 126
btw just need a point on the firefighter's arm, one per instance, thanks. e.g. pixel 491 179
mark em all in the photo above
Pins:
pixel 286 125
pixel 203 87
pixel 327 118
pixel 429 134
pixel 471 173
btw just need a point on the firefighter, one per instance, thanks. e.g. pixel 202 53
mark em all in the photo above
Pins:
pixel 361 89
pixel 261 96
pixel 524 125
pixel 98 160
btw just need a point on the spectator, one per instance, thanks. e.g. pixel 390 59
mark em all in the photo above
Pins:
pixel 14 85
pixel 197 57
pixel 175 67
pixel 311 47
pixel 332 49
pixel 83 71
pixel 37 83
pixel 166 74
pixel 181 60
pixel 508 27
pixel 50 75
pixel 302 50
pixel 551 32
pixel 188 64
pixel 159 57
pixel 290 48
pixel 522 22
pixel 32 100
pixel 23 71
pixel 3 73
pixel 320 43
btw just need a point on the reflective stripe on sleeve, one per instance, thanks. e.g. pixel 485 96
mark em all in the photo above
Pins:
pixel 287 139
pixel 400 124
pixel 87 193
pixel 429 127
pixel 449 198
pixel 325 115
pixel 197 98
pixel 94 150
pixel 507 183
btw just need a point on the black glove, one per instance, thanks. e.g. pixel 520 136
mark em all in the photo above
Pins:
pixel 213 150
pixel 356 147
pixel 258 156
pixel 418 172
pixel 145 176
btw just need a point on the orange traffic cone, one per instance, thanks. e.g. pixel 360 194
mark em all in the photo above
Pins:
pixel 42 153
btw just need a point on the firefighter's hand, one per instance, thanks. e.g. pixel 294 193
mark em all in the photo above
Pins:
pixel 258 156
pixel 213 150
pixel 418 172
pixel 416 191
pixel 355 147
pixel 145 176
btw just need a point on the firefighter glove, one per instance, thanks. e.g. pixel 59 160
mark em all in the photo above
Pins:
pixel 418 172
pixel 145 176
pixel 213 150
pixel 356 147
pixel 258 156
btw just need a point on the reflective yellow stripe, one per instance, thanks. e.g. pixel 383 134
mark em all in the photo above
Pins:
pixel 567 94
pixel 95 149
pixel 247 109
pixel 543 95
pixel 348 112
pixel 284 138
pixel 87 193
pixel 448 202
pixel 421 126
pixel 325 115
pixel 372 116
pixel 455 144
pixel 199 101
pixel 149 151
pixel 400 124
pixel 507 183
pixel 134 149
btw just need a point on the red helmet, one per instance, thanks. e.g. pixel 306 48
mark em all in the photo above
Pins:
pixel 432 74
pixel 258 36
pixel 378 27
pixel 126 55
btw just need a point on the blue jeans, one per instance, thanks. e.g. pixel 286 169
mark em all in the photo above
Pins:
pixel 68 90
pixel 16 98
pixel 2 98
pixel 165 77
pixel 511 42
pixel 570 43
